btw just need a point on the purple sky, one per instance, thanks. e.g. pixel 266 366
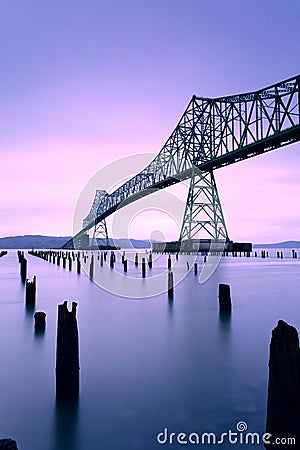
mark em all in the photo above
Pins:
pixel 85 83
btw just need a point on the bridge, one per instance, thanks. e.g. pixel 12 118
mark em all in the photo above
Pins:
pixel 212 133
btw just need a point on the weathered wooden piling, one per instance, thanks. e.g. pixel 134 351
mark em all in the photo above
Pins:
pixel 195 268
pixel 170 284
pixel 224 298
pixel 101 259
pixel 111 260
pixel 40 321
pixel 123 257
pixel 78 266
pixel 91 273
pixel 8 444
pixel 125 265
pixel 283 409
pixel 136 259
pixel 23 269
pixel 150 261
pixel 70 263
pixel 143 267
pixel 169 262
pixel 30 292
pixel 67 353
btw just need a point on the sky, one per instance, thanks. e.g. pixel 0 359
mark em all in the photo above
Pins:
pixel 86 83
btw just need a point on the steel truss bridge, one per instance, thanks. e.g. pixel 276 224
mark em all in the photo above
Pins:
pixel 212 133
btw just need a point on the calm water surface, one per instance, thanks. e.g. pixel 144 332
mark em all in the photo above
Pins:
pixel 146 364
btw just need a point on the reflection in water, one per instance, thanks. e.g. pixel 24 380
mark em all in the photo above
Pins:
pixel 65 436
pixel 38 333
pixel 225 322
pixel 29 310
pixel 170 302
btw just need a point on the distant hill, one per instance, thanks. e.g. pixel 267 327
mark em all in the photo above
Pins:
pixel 37 241
pixel 285 244
pixel 33 241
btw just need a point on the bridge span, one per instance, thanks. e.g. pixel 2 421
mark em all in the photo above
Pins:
pixel 212 133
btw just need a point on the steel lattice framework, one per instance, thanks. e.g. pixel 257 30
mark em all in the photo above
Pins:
pixel 213 133
pixel 100 229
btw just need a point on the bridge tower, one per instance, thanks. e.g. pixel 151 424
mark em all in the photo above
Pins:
pixel 203 216
pixel 100 228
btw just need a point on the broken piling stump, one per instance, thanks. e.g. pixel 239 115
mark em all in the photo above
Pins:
pixel 195 268
pixel 23 269
pixel 40 321
pixel 8 444
pixel 170 284
pixel 78 266
pixel 143 267
pixel 67 353
pixel 30 292
pixel 224 298
pixel 283 409
pixel 150 261
pixel 92 268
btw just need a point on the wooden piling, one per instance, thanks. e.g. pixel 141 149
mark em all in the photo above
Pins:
pixel 92 268
pixel 170 284
pixel 195 268
pixel 111 261
pixel 23 269
pixel 224 298
pixel 30 292
pixel 40 321
pixel 67 353
pixel 283 408
pixel 143 267
pixel 150 261
pixel 8 444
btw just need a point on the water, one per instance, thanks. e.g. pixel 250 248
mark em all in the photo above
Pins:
pixel 146 364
